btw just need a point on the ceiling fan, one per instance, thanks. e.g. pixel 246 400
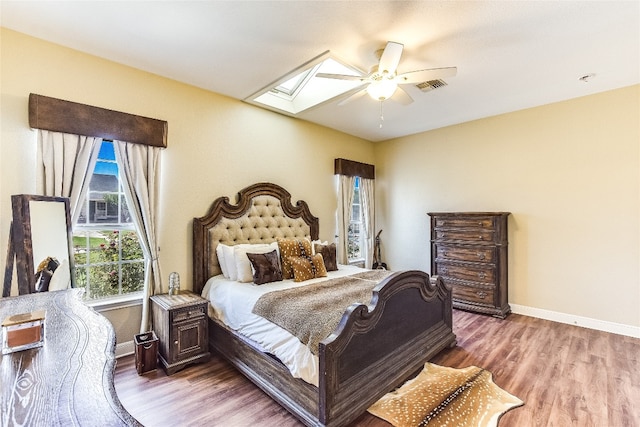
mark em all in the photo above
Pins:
pixel 383 82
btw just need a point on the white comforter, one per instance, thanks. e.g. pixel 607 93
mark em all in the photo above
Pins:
pixel 233 302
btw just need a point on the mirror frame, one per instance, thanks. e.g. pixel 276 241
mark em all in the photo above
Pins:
pixel 22 239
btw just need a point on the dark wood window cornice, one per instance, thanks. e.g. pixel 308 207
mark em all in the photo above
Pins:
pixel 79 119
pixel 352 168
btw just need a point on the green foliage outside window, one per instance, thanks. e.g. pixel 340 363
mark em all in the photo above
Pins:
pixel 97 261
pixel 354 234
pixel 353 241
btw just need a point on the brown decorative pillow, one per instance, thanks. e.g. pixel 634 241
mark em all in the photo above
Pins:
pixel 266 267
pixel 305 268
pixel 291 248
pixel 328 254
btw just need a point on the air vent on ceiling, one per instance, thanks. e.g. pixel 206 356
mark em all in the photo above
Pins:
pixel 431 85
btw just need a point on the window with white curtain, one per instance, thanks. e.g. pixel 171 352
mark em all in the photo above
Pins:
pixel 109 260
pixel 355 234
pixel 355 215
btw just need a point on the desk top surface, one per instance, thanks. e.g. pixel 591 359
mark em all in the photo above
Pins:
pixel 69 380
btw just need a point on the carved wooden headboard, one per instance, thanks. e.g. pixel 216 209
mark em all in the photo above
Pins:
pixel 263 212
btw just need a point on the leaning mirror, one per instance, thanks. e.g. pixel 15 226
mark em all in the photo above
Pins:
pixel 42 242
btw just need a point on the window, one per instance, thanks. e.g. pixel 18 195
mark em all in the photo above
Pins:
pixel 355 242
pixel 109 260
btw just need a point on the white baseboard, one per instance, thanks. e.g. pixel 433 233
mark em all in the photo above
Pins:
pixel 125 349
pixel 570 319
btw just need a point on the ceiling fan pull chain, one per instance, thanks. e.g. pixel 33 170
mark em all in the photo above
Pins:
pixel 381 115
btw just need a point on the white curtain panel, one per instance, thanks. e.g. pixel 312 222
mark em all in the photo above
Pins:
pixel 367 200
pixel 345 199
pixel 139 172
pixel 65 166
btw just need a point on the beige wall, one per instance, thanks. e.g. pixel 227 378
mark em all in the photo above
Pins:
pixel 216 145
pixel 568 172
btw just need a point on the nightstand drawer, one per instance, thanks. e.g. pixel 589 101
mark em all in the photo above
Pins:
pixel 189 313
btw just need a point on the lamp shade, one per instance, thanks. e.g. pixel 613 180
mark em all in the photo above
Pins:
pixel 382 89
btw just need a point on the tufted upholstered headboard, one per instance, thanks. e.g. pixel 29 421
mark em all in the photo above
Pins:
pixel 263 212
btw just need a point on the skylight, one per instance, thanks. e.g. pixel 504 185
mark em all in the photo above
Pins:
pixel 294 83
pixel 301 89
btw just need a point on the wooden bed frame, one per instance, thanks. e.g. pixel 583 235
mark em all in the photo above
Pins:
pixel 373 350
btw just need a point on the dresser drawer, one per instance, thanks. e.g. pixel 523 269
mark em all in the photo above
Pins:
pixel 485 295
pixel 188 313
pixel 480 273
pixel 468 235
pixel 465 253
pixel 466 222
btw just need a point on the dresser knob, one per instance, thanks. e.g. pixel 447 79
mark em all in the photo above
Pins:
pixel 482 294
pixel 479 237
pixel 482 275
pixel 480 256
pixel 175 342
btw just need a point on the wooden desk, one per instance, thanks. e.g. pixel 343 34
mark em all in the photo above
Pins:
pixel 68 381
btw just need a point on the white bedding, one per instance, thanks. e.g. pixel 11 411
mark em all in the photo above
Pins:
pixel 233 302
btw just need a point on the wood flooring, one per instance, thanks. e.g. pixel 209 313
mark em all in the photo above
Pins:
pixel 566 375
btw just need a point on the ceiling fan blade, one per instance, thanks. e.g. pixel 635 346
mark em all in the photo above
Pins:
pixel 340 76
pixel 353 96
pixel 390 57
pixel 420 76
pixel 401 96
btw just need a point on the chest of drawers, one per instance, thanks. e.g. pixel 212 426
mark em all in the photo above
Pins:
pixel 181 323
pixel 469 252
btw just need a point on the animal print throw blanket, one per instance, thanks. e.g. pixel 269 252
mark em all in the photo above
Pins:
pixel 312 312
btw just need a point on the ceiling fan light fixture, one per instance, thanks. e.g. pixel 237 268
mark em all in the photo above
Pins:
pixel 382 89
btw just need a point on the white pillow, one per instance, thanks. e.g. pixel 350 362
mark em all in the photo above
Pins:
pixel 61 278
pixel 223 265
pixel 229 261
pixel 243 264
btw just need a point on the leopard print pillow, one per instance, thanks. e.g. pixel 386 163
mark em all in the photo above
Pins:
pixel 291 248
pixel 307 267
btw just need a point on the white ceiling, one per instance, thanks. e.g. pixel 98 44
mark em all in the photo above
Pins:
pixel 510 55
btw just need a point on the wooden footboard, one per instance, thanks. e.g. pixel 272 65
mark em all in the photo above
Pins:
pixel 374 349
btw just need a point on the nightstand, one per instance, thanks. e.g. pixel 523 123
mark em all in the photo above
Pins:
pixel 181 324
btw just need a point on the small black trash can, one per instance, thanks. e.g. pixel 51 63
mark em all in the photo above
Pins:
pixel 146 349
